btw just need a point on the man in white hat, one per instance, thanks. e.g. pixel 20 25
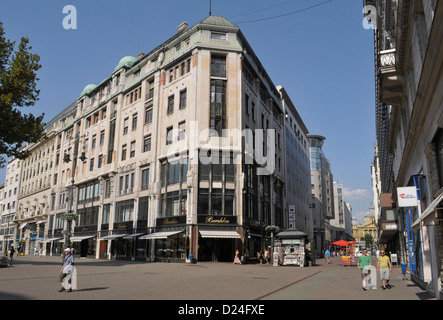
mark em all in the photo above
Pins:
pixel 67 269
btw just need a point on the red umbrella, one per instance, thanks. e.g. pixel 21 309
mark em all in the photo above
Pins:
pixel 341 243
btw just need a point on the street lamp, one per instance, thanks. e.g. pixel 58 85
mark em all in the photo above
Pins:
pixel 70 215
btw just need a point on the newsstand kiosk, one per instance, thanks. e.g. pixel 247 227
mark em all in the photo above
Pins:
pixel 293 245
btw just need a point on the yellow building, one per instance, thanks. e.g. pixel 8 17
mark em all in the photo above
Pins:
pixel 366 227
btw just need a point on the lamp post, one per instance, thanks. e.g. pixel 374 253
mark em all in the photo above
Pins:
pixel 69 216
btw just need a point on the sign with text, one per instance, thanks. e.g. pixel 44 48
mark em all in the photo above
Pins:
pixel 406 197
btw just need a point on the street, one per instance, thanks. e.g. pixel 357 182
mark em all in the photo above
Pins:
pixel 36 278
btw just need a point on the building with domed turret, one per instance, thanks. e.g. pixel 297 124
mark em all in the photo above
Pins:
pixel 160 161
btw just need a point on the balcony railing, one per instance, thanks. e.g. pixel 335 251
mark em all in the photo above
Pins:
pixel 387 58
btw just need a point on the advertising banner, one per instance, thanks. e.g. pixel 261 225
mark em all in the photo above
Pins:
pixel 407 197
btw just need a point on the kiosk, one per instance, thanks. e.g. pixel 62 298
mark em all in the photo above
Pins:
pixel 293 247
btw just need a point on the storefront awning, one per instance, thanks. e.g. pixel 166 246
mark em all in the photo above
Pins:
pixel 219 234
pixel 131 236
pixel 161 235
pixel 79 239
pixel 430 209
pixel 49 240
pixel 114 236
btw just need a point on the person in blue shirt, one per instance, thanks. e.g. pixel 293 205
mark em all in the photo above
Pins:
pixel 327 254
pixel 68 263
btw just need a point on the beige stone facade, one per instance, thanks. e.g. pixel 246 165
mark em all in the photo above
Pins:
pixel 130 155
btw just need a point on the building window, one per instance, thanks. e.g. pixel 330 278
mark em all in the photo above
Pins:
pixel 170 104
pixel 218 35
pixel 182 130
pixel 126 185
pixel 91 164
pixel 89 192
pixel 132 152
pixel 93 142
pixel 145 179
pixel 100 161
pixel 218 107
pixel 174 172
pixel 125 125
pixel 183 99
pixel 218 66
pixel 107 188
pixel 102 137
pixel 87 217
pixel 147 143
pixel 143 208
pixel 124 211
pixel 148 114
pixel 124 152
pixel 134 95
pixel 106 213
pixel 134 122
pixel 169 136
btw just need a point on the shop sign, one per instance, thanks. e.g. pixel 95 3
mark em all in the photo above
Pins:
pixel 170 221
pixel 123 225
pixel 85 229
pixel 391 226
pixel 407 197
pixel 217 220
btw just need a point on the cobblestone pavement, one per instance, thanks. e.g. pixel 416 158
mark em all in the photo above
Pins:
pixel 36 278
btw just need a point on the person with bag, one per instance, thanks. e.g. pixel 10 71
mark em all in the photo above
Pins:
pixel 67 269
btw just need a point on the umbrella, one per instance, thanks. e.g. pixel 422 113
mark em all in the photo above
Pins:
pixel 341 243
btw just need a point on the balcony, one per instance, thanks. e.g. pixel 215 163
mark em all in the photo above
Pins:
pixel 391 83
pixel 387 60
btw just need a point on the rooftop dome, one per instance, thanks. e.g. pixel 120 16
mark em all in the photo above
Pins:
pixel 88 89
pixel 127 61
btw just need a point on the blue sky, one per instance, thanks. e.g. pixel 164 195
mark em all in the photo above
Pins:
pixel 322 56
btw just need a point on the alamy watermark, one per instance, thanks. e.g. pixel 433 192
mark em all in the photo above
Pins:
pixel 70 21
pixel 370 19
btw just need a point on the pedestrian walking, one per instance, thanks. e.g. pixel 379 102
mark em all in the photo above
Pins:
pixel 265 256
pixel 35 251
pixel 364 261
pixel 40 252
pixel 11 253
pixel 327 255
pixel 384 267
pixel 237 258
pixel 67 270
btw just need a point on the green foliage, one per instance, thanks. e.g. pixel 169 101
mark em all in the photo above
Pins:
pixel 17 89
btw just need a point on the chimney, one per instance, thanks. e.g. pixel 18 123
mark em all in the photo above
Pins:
pixel 140 55
pixel 182 27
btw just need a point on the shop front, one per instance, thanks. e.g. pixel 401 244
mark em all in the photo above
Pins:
pixel 84 246
pixel 218 238
pixel 218 245
pixel 168 245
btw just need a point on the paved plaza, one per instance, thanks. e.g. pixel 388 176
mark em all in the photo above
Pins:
pixel 36 278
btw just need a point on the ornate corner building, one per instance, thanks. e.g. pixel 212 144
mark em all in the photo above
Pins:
pixel 178 152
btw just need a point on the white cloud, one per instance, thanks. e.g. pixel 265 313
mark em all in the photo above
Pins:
pixel 360 216
pixel 356 194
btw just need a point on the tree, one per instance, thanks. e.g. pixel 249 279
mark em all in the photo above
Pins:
pixel 18 79
pixel 368 239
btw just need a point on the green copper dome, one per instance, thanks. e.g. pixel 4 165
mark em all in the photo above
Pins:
pixel 127 62
pixel 88 89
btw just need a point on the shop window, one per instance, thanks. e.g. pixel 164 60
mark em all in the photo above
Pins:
pixel 124 211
